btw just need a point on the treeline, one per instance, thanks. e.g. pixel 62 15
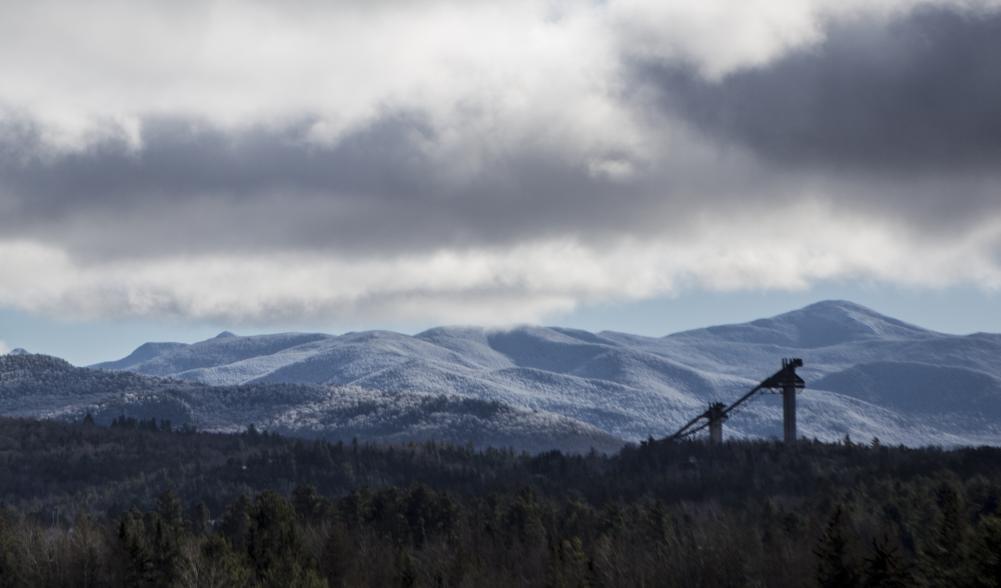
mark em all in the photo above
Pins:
pixel 180 508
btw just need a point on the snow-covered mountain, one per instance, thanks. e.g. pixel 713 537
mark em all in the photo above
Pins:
pixel 867 375
pixel 47 387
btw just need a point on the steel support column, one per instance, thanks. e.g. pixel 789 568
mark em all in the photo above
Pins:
pixel 789 413
pixel 716 417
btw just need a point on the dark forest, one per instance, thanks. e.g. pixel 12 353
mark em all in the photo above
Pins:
pixel 143 504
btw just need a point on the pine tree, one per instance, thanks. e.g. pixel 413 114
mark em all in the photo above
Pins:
pixel 275 546
pixel 309 505
pixel 138 556
pixel 986 554
pixel 834 566
pixel 211 562
pixel 885 568
pixel 945 555
pixel 9 560
pixel 236 521
pixel 168 536
pixel 198 518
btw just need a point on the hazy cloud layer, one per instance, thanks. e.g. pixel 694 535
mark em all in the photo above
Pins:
pixel 488 162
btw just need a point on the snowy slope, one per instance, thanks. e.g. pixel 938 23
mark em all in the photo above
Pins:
pixel 161 359
pixel 46 387
pixel 868 375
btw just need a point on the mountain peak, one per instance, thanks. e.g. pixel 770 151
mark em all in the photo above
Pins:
pixel 225 335
pixel 821 324
pixel 845 308
pixel 847 311
pixel 832 322
pixel 19 351
pixel 837 304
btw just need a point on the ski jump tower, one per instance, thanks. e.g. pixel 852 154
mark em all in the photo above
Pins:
pixel 788 383
pixel 784 381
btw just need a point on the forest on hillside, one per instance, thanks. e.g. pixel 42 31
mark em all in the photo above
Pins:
pixel 143 504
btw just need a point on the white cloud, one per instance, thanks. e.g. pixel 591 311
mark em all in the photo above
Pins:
pixel 527 282
pixel 339 64
pixel 721 37
pixel 4 348
pixel 511 65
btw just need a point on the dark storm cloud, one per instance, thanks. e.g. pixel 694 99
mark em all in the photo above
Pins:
pixel 921 92
pixel 192 186
pixel 886 119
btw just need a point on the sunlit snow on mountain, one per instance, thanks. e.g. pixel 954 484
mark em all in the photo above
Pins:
pixel 867 375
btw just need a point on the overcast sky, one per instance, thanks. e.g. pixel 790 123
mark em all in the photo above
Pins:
pixel 405 163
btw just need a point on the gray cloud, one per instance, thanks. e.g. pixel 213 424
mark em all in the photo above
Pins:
pixel 878 114
pixel 195 187
pixel 897 119
pixel 919 91
pixel 540 173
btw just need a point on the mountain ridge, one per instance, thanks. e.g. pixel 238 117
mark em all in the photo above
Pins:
pixel 632 386
pixel 42 386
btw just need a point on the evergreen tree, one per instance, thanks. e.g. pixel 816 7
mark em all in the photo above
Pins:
pixel 835 568
pixel 138 565
pixel 407 566
pixel 199 518
pixel 212 563
pixel 275 546
pixel 309 505
pixel 85 553
pixel 885 568
pixel 570 568
pixel 10 571
pixel 337 554
pixel 944 557
pixel 236 521
pixel 987 554
pixel 167 523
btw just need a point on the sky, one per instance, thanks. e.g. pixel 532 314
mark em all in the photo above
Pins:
pixel 170 169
